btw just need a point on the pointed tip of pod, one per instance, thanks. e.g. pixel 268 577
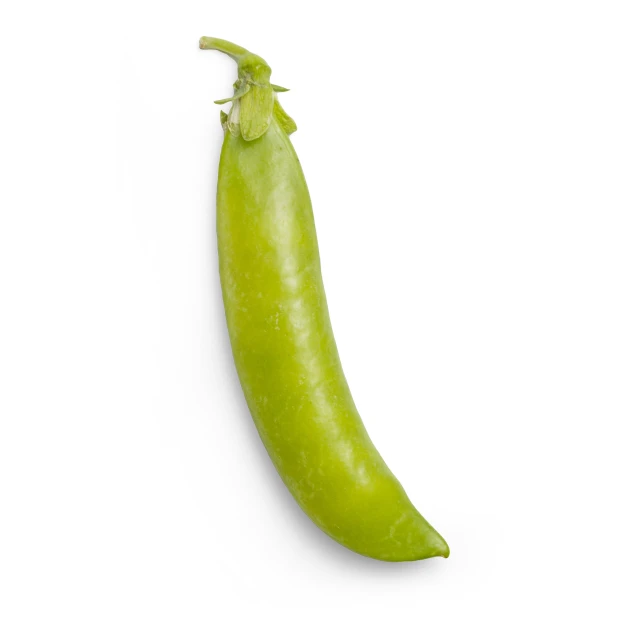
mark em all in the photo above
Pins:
pixel 432 543
pixel 418 541
pixel 437 546
pixel 414 539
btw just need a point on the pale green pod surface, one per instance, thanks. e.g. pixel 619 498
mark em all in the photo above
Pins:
pixel 282 339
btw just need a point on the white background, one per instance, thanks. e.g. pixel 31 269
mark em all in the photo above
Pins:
pixel 474 168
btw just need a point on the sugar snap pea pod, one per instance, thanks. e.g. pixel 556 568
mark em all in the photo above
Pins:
pixel 281 333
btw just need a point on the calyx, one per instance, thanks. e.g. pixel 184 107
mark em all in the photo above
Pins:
pixel 254 103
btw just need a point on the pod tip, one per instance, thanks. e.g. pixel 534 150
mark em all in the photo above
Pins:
pixel 439 546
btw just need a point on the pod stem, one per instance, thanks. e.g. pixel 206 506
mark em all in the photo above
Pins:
pixel 217 44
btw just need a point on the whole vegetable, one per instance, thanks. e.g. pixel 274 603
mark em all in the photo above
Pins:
pixel 281 333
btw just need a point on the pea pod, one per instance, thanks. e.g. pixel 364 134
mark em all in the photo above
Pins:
pixel 281 333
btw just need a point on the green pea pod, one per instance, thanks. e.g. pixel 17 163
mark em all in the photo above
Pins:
pixel 282 339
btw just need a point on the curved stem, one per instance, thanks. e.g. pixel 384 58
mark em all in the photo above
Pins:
pixel 217 44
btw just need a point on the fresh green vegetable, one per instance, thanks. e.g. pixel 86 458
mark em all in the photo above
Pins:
pixel 281 333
